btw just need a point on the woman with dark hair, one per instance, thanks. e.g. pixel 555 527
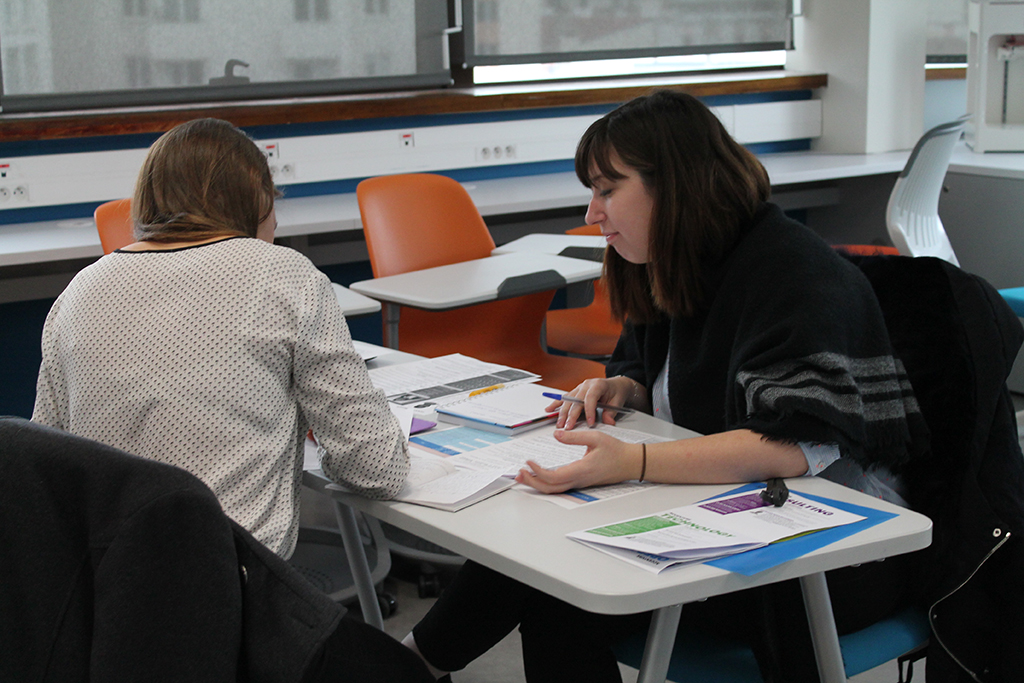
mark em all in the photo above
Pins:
pixel 740 324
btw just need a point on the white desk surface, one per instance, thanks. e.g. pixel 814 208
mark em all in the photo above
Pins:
pixel 353 303
pixel 523 536
pixel 76 238
pixel 470 282
pixel 993 164
pixel 550 244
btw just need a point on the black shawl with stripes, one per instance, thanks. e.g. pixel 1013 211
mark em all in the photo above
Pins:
pixel 792 345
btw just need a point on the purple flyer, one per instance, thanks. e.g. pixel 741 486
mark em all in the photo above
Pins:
pixel 742 503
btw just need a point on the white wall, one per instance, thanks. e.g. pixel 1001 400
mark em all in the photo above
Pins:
pixel 944 100
pixel 873 52
pixel 56 179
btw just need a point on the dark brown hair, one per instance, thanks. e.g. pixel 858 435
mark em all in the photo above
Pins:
pixel 705 187
pixel 202 179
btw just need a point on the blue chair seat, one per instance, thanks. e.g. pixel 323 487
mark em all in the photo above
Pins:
pixel 1015 297
pixel 698 657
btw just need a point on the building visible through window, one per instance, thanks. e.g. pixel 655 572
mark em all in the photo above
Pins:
pixel 312 10
pixel 186 11
pixel 82 50
pixel 135 8
pixel 313 69
pixel 376 6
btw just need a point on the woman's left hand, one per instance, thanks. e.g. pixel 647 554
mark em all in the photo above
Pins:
pixel 607 461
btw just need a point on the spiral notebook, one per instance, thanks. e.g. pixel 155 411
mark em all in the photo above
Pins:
pixel 510 410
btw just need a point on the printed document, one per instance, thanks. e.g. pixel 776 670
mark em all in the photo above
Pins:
pixel 543 449
pixel 711 529
pixel 435 482
pixel 438 381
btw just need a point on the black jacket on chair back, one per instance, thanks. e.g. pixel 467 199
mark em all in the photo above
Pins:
pixel 958 339
pixel 117 568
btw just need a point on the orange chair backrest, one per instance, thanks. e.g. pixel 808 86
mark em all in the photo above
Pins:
pixel 585 230
pixel 419 220
pixel 114 224
pixel 867 249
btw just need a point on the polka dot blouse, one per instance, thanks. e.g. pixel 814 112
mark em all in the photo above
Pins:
pixel 218 358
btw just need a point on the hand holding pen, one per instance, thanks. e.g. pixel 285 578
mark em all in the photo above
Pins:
pixel 622 410
pixel 586 399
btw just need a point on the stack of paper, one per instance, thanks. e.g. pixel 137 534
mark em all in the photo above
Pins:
pixel 452 483
pixel 435 482
pixel 712 529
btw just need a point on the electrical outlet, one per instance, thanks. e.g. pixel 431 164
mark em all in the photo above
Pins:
pixel 5 195
pixel 287 172
pixel 20 193
pixel 406 139
pixel 275 172
pixel 272 150
pixel 496 153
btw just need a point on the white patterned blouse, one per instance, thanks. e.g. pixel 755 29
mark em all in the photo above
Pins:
pixel 218 358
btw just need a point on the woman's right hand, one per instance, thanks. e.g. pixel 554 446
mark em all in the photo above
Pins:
pixel 613 391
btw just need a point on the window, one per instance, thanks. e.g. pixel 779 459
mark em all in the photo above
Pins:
pixel 313 69
pixel 144 72
pixel 312 10
pixel 23 69
pixel 61 54
pixel 180 11
pixel 376 7
pixel 135 8
pixel 537 31
pixel 378 62
pixel 56 54
pixel 947 32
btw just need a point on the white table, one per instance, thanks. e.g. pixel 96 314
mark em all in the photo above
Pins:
pixel 353 303
pixel 589 247
pixel 523 536
pixel 472 282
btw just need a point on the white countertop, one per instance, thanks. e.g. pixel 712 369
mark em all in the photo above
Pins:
pixel 76 238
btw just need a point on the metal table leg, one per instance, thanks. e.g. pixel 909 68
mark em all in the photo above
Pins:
pixel 391 314
pixel 661 637
pixel 359 565
pixel 823 628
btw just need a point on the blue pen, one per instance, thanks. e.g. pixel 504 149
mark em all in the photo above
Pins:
pixel 572 399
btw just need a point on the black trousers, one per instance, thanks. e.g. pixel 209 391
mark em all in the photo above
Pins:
pixel 358 653
pixel 564 643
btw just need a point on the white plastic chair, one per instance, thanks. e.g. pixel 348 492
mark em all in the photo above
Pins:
pixel 912 216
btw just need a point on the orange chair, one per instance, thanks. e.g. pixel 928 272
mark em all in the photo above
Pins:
pixel 416 221
pixel 589 331
pixel 114 224
pixel 867 249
